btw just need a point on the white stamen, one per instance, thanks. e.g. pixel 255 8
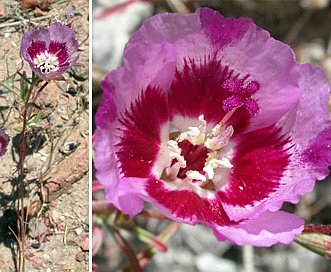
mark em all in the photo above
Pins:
pixel 195 135
pixel 223 162
pixel 193 174
pixel 215 163
pixel 175 153
pixel 209 171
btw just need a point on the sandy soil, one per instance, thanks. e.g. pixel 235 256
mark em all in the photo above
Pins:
pixel 56 167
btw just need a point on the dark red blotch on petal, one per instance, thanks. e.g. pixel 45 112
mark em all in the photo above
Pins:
pixel 188 205
pixel 60 50
pixel 199 88
pixel 140 133
pixel 259 162
pixel 4 140
pixel 36 48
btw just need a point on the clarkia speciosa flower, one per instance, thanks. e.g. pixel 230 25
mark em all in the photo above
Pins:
pixel 4 140
pixel 49 51
pixel 212 121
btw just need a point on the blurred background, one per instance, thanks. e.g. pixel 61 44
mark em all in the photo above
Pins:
pixel 306 26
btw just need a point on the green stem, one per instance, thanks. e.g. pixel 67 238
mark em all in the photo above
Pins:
pixel 9 88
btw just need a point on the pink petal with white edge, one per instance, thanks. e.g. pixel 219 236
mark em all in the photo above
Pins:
pixel 266 230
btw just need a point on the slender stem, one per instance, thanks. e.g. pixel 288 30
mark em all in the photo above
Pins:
pixel 7 86
pixel 248 258
pixel 325 229
pixel 101 206
pixel 127 249
pixel 23 149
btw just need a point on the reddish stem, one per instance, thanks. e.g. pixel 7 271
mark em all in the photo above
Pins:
pixel 325 229
pixel 154 214
pixel 96 186
pixel 101 206
pixel 127 249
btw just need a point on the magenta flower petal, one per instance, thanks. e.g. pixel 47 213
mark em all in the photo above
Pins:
pixel 211 129
pixel 49 51
pixel 263 231
pixel 4 140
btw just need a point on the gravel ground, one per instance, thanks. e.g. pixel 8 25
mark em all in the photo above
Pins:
pixel 57 237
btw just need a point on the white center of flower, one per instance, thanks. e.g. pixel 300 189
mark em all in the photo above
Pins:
pixel 210 142
pixel 46 62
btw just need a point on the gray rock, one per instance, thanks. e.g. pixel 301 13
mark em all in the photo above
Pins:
pixel 110 34
pixel 208 262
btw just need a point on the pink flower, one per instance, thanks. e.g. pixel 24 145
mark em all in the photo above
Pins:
pixel 213 122
pixel 4 140
pixel 49 51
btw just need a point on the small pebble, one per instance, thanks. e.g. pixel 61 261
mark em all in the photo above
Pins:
pixel 80 256
pixel 36 245
pixel 71 90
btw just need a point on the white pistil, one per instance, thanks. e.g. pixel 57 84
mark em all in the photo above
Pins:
pixel 219 140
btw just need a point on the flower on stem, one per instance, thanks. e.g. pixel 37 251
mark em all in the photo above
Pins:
pixel 49 51
pixel 4 140
pixel 211 129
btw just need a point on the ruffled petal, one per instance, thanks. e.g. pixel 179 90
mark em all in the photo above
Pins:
pixel 50 49
pixel 274 67
pixel 266 230
pixel 61 33
pixel 155 69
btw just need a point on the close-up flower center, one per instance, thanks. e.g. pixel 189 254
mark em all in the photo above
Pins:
pixel 196 155
pixel 46 62
pixel 201 154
